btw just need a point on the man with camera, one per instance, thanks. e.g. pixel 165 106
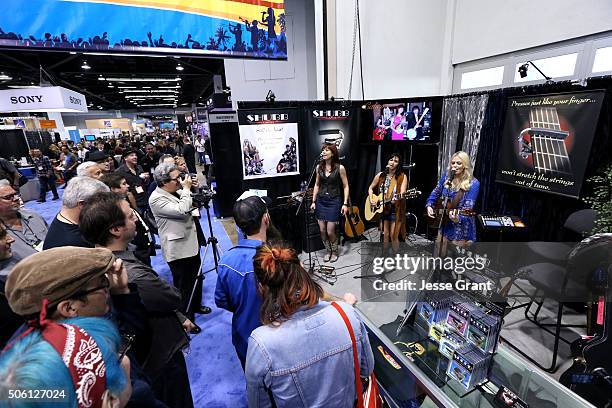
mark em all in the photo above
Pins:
pixel 180 232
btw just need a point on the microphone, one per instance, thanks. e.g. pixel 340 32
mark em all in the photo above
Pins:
pixel 450 178
pixel 408 166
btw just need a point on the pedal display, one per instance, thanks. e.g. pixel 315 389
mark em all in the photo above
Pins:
pixel 498 221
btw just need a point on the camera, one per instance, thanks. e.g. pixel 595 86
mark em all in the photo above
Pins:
pixel 202 197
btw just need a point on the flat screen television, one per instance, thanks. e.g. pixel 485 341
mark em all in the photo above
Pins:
pixel 90 138
pixel 404 121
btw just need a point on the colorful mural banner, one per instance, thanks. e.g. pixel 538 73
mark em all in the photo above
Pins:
pixel 227 28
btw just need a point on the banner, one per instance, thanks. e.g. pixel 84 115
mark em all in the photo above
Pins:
pixel 269 140
pixel 232 28
pixel 326 123
pixel 44 99
pixel 547 140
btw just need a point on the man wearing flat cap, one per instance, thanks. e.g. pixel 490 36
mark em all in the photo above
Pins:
pixel 135 177
pixel 82 282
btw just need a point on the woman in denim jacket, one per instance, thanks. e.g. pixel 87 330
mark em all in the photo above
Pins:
pixel 302 356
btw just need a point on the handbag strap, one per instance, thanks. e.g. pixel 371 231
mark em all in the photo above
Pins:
pixel 358 385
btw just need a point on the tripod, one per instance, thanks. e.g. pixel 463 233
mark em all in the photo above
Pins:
pixel 213 243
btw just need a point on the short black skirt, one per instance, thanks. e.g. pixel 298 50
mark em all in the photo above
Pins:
pixel 328 208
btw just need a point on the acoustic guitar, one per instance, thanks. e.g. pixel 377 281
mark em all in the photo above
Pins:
pixel 370 210
pixel 411 133
pixel 353 224
pixel 440 212
pixel 592 353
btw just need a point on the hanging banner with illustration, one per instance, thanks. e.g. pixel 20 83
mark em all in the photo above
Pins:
pixel 269 141
pixel 223 28
pixel 547 140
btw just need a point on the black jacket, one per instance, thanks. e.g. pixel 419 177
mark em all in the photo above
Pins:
pixel 162 302
pixel 137 185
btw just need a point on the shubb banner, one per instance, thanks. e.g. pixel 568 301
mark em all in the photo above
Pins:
pixel 335 124
pixel 546 141
pixel 269 141
pixel 234 28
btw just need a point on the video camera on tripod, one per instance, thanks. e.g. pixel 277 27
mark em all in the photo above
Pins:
pixel 202 197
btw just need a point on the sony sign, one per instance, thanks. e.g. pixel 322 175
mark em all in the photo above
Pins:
pixel 43 99
pixel 331 113
pixel 268 117
pixel 26 99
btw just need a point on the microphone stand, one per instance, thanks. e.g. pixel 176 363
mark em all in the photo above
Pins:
pixel 312 173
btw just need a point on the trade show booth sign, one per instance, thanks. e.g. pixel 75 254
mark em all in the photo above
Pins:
pixel 547 140
pixel 269 141
pixel 44 99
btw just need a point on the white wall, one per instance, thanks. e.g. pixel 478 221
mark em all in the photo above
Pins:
pixel 294 79
pixel 404 48
pixel 484 28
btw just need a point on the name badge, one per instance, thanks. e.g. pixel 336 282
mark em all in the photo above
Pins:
pixel 139 190
pixel 195 212
pixel 40 168
pixel 38 246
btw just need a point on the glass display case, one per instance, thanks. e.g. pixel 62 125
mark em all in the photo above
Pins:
pixel 412 372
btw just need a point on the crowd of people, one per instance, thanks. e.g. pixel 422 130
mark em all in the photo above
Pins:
pixel 85 287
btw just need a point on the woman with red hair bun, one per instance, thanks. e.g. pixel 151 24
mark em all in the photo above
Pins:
pixel 303 339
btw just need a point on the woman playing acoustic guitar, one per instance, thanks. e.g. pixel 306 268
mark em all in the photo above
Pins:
pixel 461 188
pixel 391 182
pixel 330 198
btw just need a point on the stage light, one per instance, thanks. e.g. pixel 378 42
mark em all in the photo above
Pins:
pixel 179 67
pixel 111 85
pixel 270 97
pixel 522 70
pixel 85 65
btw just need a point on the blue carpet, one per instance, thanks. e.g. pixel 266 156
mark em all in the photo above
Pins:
pixel 217 380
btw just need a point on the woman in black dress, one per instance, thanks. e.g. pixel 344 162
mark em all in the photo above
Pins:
pixel 330 198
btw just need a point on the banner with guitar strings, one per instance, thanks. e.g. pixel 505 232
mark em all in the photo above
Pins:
pixel 547 140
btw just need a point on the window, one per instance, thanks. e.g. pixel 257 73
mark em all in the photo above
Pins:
pixel 482 78
pixel 603 60
pixel 554 67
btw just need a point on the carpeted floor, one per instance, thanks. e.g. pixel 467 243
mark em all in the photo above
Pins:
pixel 217 380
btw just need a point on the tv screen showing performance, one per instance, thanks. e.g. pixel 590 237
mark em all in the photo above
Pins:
pixel 219 28
pixel 405 121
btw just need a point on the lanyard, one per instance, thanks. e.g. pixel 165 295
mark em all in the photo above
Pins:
pixel 18 234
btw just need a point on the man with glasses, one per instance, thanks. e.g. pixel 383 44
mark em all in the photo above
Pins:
pixel 46 175
pixel 180 232
pixel 27 228
pixel 84 282
pixel 108 221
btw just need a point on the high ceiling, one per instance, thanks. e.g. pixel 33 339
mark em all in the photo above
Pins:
pixel 115 82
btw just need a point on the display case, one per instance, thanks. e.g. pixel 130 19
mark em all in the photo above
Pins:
pixel 412 372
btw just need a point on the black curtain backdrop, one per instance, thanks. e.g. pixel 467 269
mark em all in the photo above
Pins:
pixel 544 214
pixel 13 144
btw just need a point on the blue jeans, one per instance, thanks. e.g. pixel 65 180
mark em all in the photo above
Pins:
pixel 46 184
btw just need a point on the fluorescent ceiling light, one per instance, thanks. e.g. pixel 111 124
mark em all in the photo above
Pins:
pixel 128 87
pixel 171 87
pixel 179 67
pixel 23 86
pixel 151 91
pixel 141 79
pixel 158 104
pixel 4 77
pixel 85 66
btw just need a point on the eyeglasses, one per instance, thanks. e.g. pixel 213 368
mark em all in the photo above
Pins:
pixel 176 179
pixel 104 285
pixel 10 197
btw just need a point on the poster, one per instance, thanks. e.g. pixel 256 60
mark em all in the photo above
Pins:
pixel 269 141
pixel 222 28
pixel 332 123
pixel 546 141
